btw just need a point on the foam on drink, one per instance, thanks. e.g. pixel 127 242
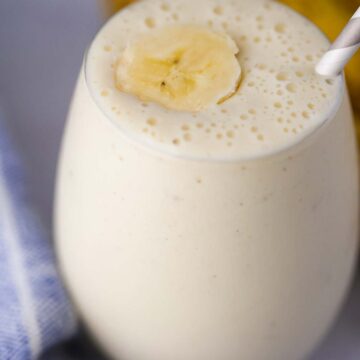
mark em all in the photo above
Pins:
pixel 280 100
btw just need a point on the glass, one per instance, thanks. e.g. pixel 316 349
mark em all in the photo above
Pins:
pixel 171 258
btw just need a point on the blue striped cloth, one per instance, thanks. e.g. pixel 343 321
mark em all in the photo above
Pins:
pixel 34 310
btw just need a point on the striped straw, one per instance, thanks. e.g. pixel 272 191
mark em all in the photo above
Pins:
pixel 341 51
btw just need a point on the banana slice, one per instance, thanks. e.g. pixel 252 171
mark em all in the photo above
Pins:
pixel 186 68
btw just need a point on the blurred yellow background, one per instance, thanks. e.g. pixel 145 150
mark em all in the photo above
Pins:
pixel 330 15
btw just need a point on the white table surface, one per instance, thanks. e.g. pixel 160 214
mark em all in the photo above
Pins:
pixel 41 47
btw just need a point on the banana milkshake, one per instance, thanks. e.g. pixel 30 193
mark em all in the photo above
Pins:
pixel 207 196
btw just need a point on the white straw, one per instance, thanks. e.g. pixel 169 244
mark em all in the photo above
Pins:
pixel 341 51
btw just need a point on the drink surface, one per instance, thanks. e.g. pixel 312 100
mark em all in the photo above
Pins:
pixel 280 99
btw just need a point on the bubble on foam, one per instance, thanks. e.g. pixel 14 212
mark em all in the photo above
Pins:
pixel 199 125
pixel 243 117
pixel 252 111
pixel 311 106
pixel 218 10
pixel 230 134
pixel 165 7
pixel 254 129
pixel 260 137
pixel 267 6
pixel 219 136
pixel 187 137
pixel 152 121
pixel 261 66
pixel 291 87
pixel 107 48
pixel 104 93
pixel 176 141
pixel 305 115
pixel 282 76
pixel 145 130
pixel 280 28
pixel 150 22
pixel 175 16
pixel 257 39
pixel 309 57
pixel 278 105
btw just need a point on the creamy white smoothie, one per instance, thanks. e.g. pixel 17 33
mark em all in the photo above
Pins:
pixel 207 212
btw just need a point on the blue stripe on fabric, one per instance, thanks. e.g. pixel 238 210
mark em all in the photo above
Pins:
pixel 14 343
pixel 55 318
pixel 13 338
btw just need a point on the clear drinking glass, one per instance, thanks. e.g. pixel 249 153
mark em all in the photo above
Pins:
pixel 182 259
